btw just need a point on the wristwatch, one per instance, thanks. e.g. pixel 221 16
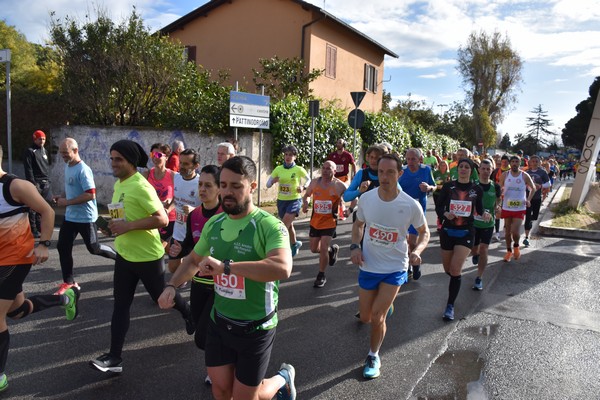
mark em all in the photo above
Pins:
pixel 46 243
pixel 227 267
pixel 354 246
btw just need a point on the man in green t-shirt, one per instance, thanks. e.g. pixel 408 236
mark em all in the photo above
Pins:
pixel 247 251
pixel 430 160
pixel 485 230
pixel 136 213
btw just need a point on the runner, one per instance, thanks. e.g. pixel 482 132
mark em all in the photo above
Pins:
pixel 383 217
pixel 461 154
pixel 289 199
pixel 492 195
pixel 225 151
pixel 136 214
pixel 246 250
pixel 173 161
pixel 326 192
pixel 202 292
pixel 81 213
pixel 19 253
pixel 458 203
pixel 345 169
pixel 185 200
pixel 541 181
pixel 514 184
pixel 162 179
pixel 496 175
pixel 366 178
pixel 416 181
pixel 440 176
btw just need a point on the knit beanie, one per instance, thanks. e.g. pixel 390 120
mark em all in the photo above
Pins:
pixel 132 152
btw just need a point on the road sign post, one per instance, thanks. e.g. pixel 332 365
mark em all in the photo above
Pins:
pixel 357 98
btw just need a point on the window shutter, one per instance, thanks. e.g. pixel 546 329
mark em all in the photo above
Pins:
pixel 375 80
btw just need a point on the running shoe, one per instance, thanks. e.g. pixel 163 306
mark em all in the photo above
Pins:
pixel 288 390
pixel 333 253
pixel 507 256
pixel 71 309
pixel 416 272
pixel 3 382
pixel 321 280
pixel 296 247
pixel 107 363
pixel 526 242
pixel 497 236
pixel 64 286
pixel 372 366
pixel 449 313
pixel 389 313
pixel 517 253
pixel 207 381
pixel 478 285
pixel 475 259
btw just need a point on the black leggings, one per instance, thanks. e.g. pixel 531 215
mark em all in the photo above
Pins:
pixel 126 277
pixel 66 237
pixel 201 301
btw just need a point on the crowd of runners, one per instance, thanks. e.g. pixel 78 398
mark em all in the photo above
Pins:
pixel 201 221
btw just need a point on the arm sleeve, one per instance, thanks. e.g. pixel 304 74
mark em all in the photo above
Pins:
pixel 352 192
pixel 440 208
pixel 479 200
pixel 188 241
pixel 28 166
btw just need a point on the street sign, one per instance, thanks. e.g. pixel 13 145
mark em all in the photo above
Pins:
pixel 4 55
pixel 247 110
pixel 357 97
pixel 357 115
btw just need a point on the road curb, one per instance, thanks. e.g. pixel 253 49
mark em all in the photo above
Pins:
pixel 545 226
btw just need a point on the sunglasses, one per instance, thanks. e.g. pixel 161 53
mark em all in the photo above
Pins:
pixel 157 154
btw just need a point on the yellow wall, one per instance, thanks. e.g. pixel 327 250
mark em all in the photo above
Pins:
pixel 235 35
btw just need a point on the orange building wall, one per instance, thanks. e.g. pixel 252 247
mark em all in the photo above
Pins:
pixel 239 33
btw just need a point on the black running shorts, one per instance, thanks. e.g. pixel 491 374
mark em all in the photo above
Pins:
pixel 11 280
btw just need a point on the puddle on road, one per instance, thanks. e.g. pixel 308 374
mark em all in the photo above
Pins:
pixel 487 330
pixel 475 390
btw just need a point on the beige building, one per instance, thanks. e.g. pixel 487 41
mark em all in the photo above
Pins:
pixel 235 34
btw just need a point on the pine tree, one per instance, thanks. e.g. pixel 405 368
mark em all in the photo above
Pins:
pixel 538 128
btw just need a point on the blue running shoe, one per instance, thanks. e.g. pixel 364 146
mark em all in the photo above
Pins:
pixel 478 285
pixel 296 247
pixel 372 366
pixel 526 242
pixel 449 313
pixel 288 390
pixel 389 313
pixel 476 259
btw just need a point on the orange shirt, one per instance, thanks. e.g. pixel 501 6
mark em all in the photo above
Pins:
pixel 16 240
pixel 325 204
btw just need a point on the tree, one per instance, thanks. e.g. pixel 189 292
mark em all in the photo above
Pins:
pixel 505 142
pixel 491 74
pixel 575 130
pixel 114 74
pixel 538 127
pixel 457 123
pixel 284 77
pixel 415 112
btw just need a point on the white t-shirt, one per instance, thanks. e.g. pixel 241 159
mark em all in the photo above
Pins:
pixel 385 249
pixel 185 192
pixel 515 193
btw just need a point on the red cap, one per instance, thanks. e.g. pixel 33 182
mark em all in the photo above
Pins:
pixel 38 134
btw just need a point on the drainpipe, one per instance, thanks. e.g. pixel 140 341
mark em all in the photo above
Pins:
pixel 304 31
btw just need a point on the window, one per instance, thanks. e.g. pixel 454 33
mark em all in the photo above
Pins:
pixel 370 78
pixel 189 54
pixel 330 61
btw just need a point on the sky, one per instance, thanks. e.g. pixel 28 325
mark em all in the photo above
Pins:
pixel 558 41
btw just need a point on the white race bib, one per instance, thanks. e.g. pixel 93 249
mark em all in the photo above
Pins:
pixel 323 206
pixel 461 208
pixel 383 236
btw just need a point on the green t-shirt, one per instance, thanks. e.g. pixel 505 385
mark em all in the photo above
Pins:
pixel 248 239
pixel 289 180
pixel 139 200
pixel 431 161
pixel 454 174
pixel 491 192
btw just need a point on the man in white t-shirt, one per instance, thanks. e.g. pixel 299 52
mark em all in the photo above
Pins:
pixel 185 199
pixel 383 218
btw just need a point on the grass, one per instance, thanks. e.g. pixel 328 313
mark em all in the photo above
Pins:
pixel 566 216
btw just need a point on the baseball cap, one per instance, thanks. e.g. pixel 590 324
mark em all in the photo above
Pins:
pixel 38 134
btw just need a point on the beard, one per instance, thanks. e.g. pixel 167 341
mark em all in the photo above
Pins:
pixel 236 209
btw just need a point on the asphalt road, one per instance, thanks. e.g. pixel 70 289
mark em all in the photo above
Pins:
pixel 533 333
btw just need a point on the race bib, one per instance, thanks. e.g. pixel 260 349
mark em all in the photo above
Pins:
pixel 116 211
pixel 230 286
pixel 323 206
pixel 285 189
pixel 461 208
pixel 478 217
pixel 383 236
pixel 514 203
pixel 339 168
pixel 180 217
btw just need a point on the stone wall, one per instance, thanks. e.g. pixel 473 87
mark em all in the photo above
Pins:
pixel 94 145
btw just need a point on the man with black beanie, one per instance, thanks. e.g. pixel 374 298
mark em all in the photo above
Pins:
pixel 136 213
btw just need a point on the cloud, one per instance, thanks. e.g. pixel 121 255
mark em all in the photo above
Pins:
pixel 437 75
